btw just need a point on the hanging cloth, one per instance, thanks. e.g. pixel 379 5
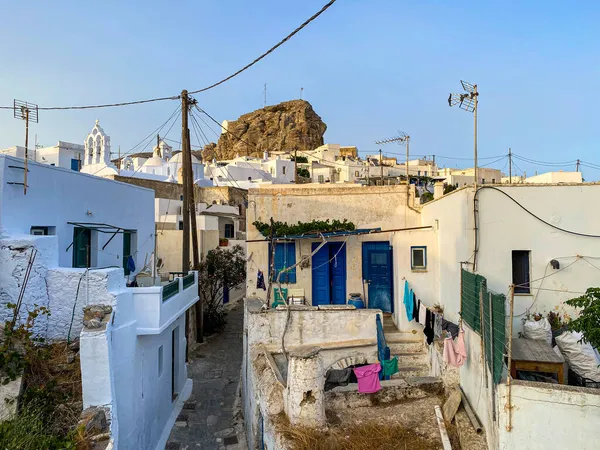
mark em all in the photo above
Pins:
pixel 260 281
pixel 422 313
pixel 454 351
pixel 390 367
pixel 437 325
pixel 408 304
pixel 337 377
pixel 428 330
pixel 415 308
pixel 368 378
pixel 450 327
pixel 130 264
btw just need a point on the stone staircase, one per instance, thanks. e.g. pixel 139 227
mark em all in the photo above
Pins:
pixel 409 348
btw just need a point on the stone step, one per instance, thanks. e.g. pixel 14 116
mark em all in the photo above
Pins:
pixel 411 359
pixel 406 347
pixel 410 371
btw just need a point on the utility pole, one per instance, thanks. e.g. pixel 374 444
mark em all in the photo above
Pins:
pixel 26 150
pixel 407 153
pixel 509 166
pixel 577 166
pixel 118 165
pixel 158 152
pixel 296 165
pixel 185 251
pixel 475 96
pixel 381 164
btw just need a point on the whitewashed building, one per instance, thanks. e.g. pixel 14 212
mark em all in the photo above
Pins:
pixel 541 238
pixel 84 237
pixel 64 154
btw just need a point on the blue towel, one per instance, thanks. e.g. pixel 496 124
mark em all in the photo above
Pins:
pixel 130 264
pixel 408 301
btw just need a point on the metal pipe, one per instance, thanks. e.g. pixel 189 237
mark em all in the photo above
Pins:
pixel 475 94
pixel 491 344
pixel 469 410
pixel 509 378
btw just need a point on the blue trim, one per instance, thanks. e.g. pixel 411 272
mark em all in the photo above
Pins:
pixel 285 256
pixel 412 265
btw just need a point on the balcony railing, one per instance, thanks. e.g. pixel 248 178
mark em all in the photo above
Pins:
pixel 158 306
pixel 171 289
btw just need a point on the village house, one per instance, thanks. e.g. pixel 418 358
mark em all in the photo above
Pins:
pixel 465 257
pixel 64 154
pixel 74 243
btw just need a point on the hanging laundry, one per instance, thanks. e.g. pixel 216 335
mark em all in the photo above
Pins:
pixel 437 325
pixel 455 353
pixel 450 327
pixel 368 378
pixel 337 377
pixel 260 281
pixel 422 313
pixel 408 304
pixel 390 367
pixel 428 330
pixel 415 308
pixel 130 264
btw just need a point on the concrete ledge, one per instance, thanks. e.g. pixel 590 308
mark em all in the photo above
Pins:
pixel 276 348
pixel 335 307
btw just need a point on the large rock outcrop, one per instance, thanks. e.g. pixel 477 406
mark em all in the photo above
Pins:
pixel 292 125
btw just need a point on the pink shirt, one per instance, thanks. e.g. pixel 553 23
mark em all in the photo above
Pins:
pixel 455 353
pixel 368 378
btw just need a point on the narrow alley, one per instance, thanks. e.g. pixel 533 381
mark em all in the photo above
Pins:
pixel 211 417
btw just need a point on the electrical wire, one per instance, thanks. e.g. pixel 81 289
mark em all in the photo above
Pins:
pixel 177 97
pixel 576 233
pixel 548 163
pixel 272 49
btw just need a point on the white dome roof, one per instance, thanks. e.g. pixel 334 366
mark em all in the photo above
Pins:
pixel 177 159
pixel 155 161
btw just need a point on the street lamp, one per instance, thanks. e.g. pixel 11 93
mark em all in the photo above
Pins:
pixel 468 101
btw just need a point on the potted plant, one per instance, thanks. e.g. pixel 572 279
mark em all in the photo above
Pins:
pixel 223 242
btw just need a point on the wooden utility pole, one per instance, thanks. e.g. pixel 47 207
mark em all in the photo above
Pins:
pixel 296 166
pixel 185 251
pixel 577 166
pixel 381 165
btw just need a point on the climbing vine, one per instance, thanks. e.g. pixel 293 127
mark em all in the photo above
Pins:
pixel 323 226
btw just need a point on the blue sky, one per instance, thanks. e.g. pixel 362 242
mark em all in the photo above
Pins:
pixel 369 68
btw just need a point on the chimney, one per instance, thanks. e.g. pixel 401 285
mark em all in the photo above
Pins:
pixel 438 189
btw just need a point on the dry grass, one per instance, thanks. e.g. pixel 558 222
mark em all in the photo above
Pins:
pixel 367 436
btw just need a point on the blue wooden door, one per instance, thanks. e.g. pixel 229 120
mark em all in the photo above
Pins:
pixel 337 271
pixel 320 276
pixel 377 270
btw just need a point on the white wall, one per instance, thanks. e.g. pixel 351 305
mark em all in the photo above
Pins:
pixel 56 196
pixel 120 370
pixel 556 177
pixel 546 416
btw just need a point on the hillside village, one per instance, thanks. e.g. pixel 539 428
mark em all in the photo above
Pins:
pixel 267 289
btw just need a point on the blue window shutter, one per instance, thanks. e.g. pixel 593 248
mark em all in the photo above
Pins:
pixel 291 260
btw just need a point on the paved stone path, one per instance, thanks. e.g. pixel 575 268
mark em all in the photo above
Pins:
pixel 211 417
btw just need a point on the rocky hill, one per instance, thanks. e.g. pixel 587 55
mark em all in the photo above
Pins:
pixel 286 126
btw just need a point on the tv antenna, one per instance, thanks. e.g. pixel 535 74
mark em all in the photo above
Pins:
pixel 468 101
pixel 27 112
pixel 402 139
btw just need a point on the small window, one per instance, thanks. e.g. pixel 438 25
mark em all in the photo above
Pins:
pixel 180 225
pixel 418 258
pixel 181 196
pixel 356 173
pixel 483 181
pixel 321 179
pixel 75 164
pixel 425 173
pixel 418 173
pixel 39 231
pixel 493 181
pixel 520 270
pixel 283 170
pixel 160 361
pixel 229 231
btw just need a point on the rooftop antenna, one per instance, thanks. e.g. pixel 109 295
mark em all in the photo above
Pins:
pixel 468 101
pixel 27 112
pixel 402 139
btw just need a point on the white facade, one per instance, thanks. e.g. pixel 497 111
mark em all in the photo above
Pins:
pixel 465 177
pixel 504 227
pixel 555 177
pixel 245 172
pixel 64 154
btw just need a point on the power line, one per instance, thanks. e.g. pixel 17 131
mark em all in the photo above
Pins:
pixel 177 97
pixel 272 49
